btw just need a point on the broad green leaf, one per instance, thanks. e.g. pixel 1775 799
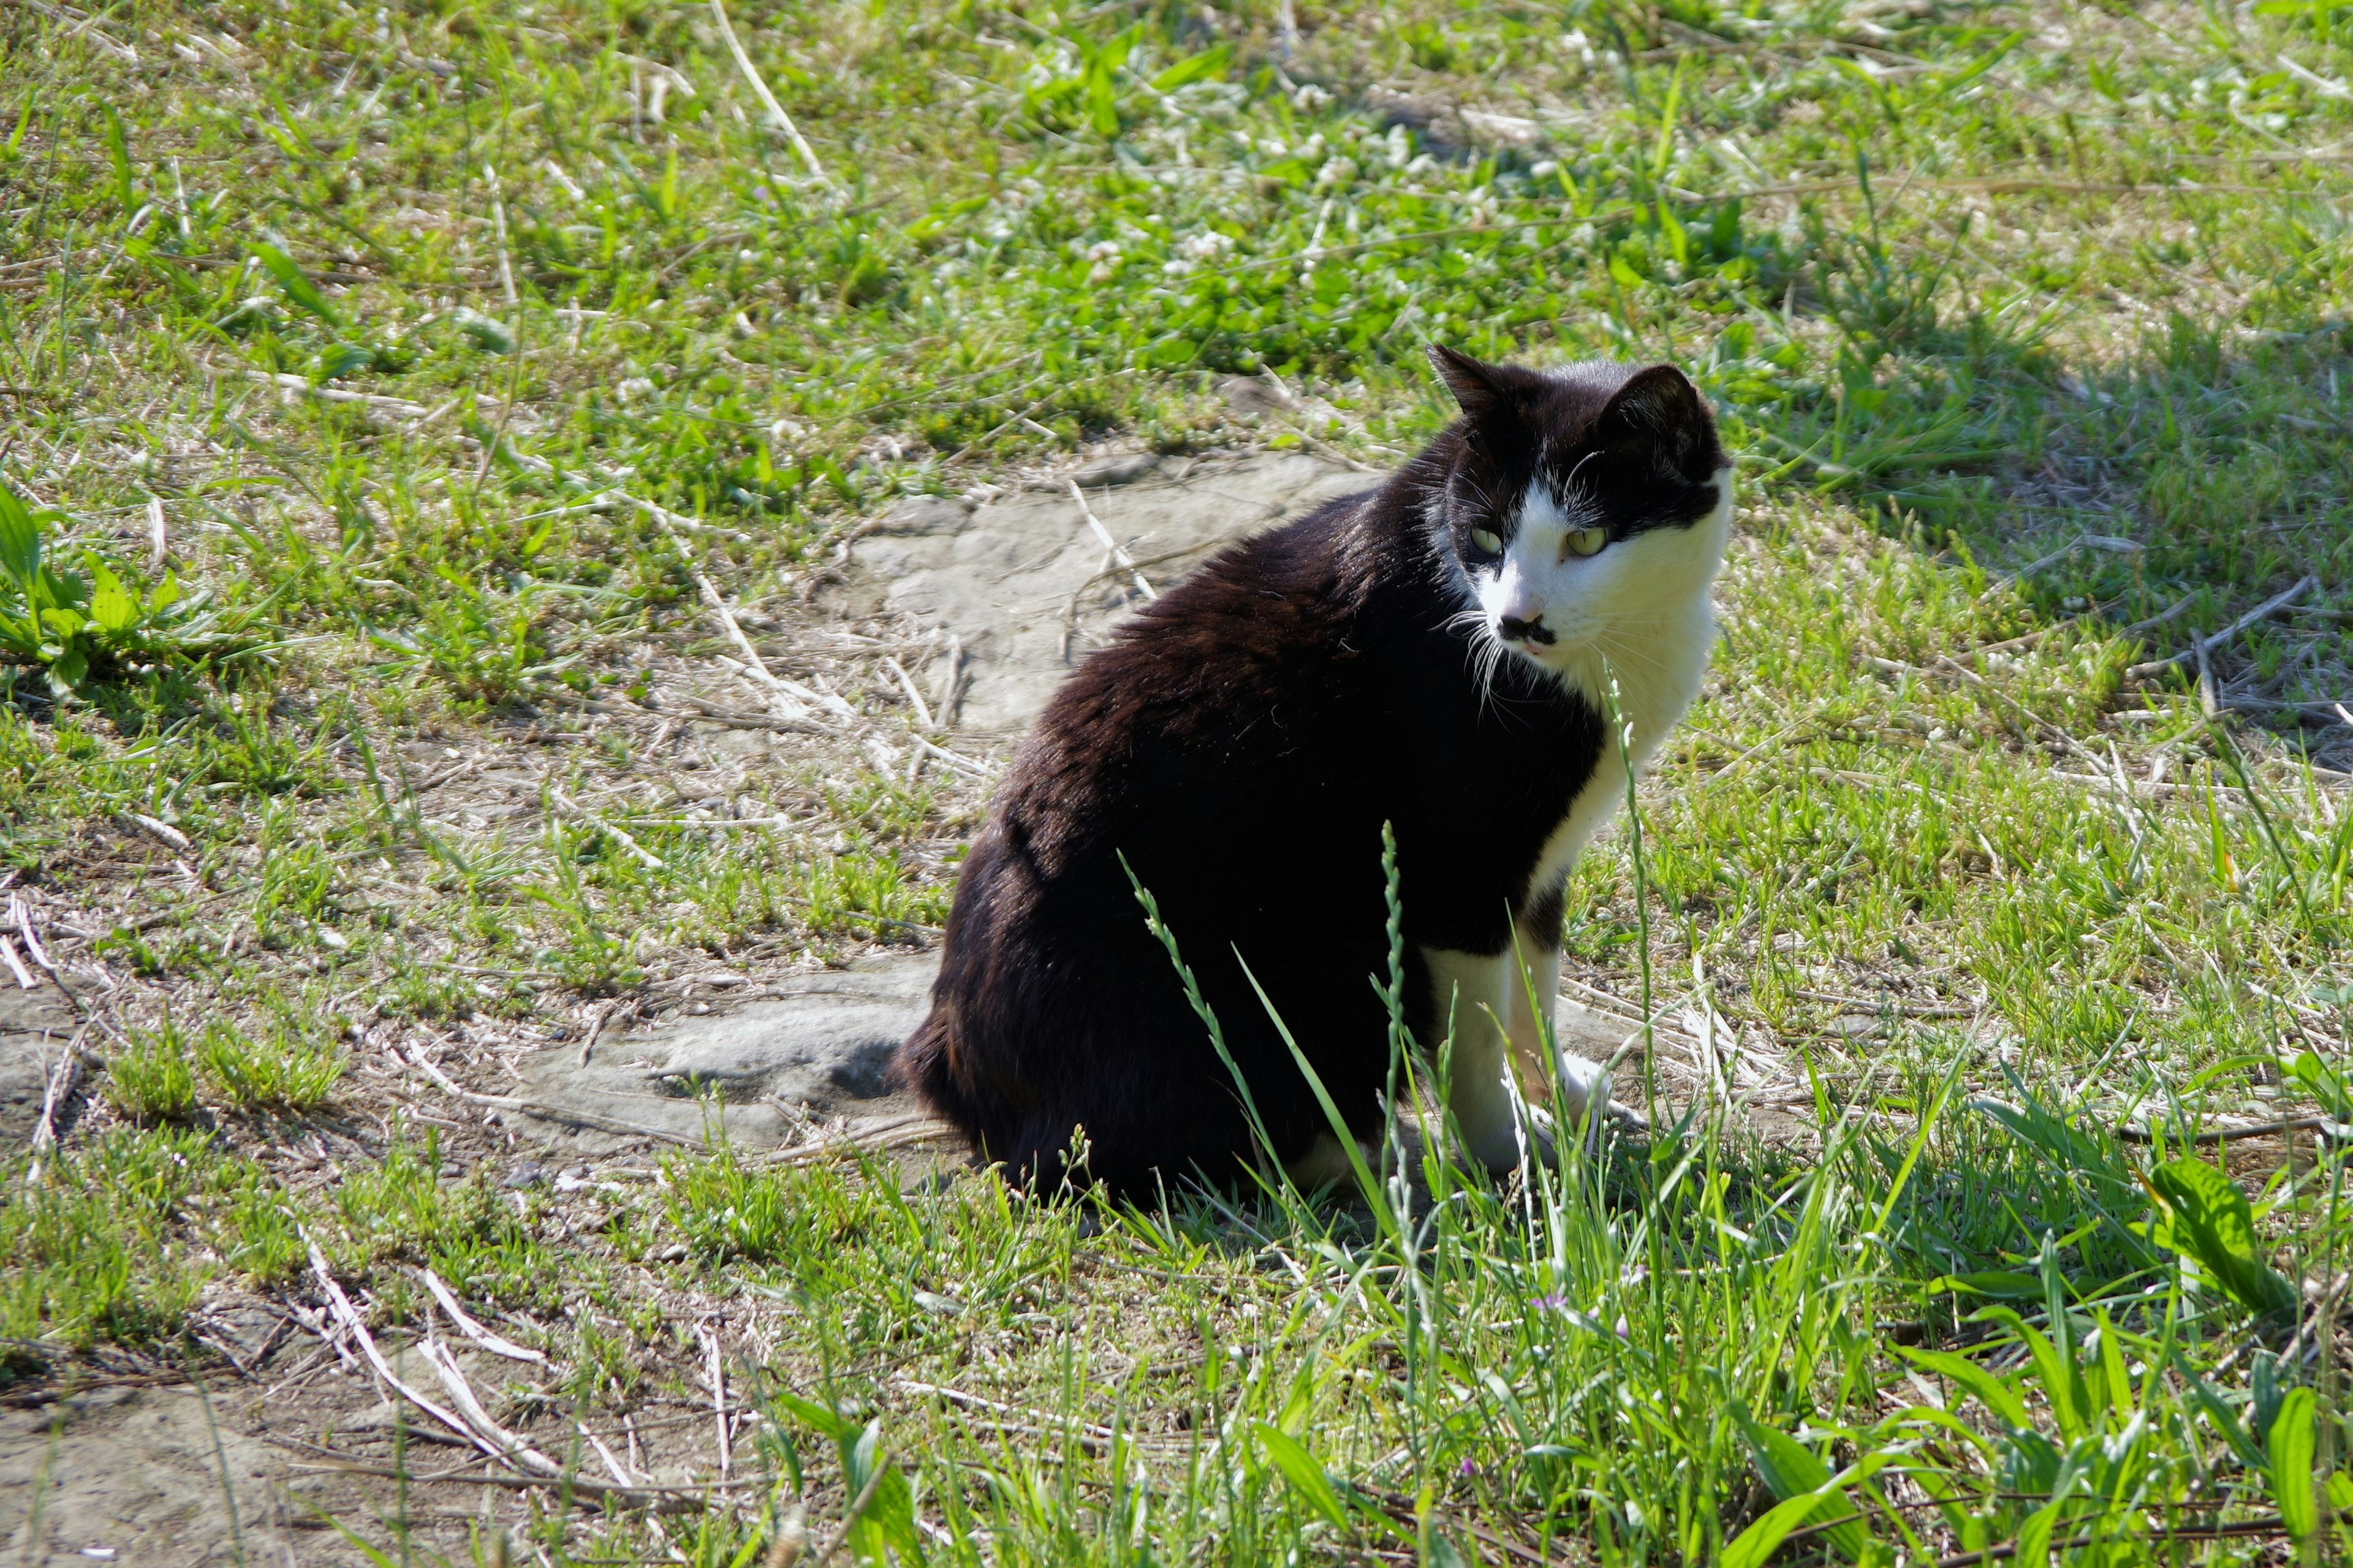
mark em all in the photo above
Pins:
pixel 24 120
pixel 115 611
pixel 295 282
pixel 2056 1135
pixel 2291 1477
pixel 1753 1545
pixel 2324 1083
pixel 164 595
pixel 2115 1374
pixel 2213 1223
pixel 1440 1550
pixel 2001 1284
pixel 69 669
pixel 1977 67
pixel 1990 1391
pixel 490 335
pixel 1791 1469
pixel 810 1414
pixel 2061 1380
pixel 1103 102
pixel 63 621
pixel 2224 1420
pixel 888 1521
pixel 1209 63
pixel 20 537
pixel 342 359
pixel 1306 1477
pixel 2034 1536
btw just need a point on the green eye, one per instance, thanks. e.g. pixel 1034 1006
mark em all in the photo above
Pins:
pixel 1490 543
pixel 1587 541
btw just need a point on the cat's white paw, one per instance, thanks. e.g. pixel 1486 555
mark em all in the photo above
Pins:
pixel 1585 1088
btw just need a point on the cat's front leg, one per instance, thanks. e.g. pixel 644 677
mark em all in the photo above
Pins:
pixel 1473 994
pixel 1535 986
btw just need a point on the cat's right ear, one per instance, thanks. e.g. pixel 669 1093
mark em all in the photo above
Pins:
pixel 1478 387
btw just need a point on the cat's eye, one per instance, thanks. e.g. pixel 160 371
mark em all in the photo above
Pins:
pixel 1587 541
pixel 1487 543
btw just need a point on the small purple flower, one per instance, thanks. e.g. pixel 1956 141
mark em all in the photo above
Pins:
pixel 1553 1301
pixel 1469 1467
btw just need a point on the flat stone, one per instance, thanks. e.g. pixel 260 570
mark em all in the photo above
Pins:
pixel 35 1026
pixel 821 1047
pixel 1023 585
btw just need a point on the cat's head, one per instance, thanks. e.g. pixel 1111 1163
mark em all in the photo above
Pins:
pixel 1585 507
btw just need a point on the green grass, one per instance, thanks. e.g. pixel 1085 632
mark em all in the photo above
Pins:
pixel 377 335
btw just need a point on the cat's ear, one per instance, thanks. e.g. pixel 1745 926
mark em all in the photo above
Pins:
pixel 1480 388
pixel 1659 416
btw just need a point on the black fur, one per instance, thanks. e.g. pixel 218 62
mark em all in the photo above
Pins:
pixel 1241 742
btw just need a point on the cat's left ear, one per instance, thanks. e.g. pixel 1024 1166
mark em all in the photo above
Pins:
pixel 1659 415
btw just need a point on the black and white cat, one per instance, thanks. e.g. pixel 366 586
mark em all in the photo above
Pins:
pixel 1433 653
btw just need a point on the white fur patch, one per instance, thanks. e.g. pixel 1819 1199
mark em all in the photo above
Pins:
pixel 1496 1031
pixel 1640 610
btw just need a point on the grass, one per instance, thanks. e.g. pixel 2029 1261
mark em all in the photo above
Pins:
pixel 428 353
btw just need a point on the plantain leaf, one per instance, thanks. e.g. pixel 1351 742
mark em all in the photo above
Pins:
pixel 2211 1222
pixel 2291 1477
pixel 20 537
pixel 114 611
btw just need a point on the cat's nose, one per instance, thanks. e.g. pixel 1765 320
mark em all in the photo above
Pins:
pixel 1514 629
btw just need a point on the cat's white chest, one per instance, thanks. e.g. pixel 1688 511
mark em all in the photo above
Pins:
pixel 1646 669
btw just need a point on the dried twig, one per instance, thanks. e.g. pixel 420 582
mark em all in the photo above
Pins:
pixel 60 1088
pixel 1118 552
pixel 892 1135
pixel 636 852
pixel 758 667
pixel 2253 1527
pixel 605 1014
pixel 2128 1133
pixel 2204 646
pixel 718 1398
pixel 472 1330
pixel 914 698
pixel 667 1499
pixel 969 764
pixel 776 115
pixel 347 1317
pixel 161 829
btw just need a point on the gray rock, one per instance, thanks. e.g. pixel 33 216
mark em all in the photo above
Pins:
pixel 1026 588
pixel 822 1047
pixel 35 1026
